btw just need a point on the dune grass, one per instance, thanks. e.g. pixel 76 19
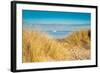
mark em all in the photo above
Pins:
pixel 40 47
pixel 80 43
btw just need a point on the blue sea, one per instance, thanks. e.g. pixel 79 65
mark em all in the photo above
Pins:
pixel 57 31
pixel 58 34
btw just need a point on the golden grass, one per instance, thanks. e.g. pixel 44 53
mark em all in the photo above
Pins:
pixel 80 43
pixel 79 38
pixel 39 47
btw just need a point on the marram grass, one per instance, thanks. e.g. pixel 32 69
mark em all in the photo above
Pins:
pixel 40 47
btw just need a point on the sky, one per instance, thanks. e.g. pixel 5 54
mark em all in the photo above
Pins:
pixel 55 21
pixel 51 17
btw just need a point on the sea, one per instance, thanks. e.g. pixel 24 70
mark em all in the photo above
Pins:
pixel 57 31
pixel 59 34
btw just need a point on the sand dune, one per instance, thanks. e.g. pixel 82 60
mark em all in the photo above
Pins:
pixel 40 47
pixel 80 42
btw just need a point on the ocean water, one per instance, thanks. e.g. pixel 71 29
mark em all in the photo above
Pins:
pixel 58 34
pixel 57 31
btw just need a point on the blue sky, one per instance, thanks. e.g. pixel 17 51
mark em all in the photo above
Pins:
pixel 50 17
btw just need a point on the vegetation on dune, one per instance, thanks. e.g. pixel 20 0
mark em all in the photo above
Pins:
pixel 80 43
pixel 39 47
pixel 79 38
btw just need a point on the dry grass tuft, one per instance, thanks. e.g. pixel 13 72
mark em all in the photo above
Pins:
pixel 80 43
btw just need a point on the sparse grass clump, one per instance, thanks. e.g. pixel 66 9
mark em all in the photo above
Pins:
pixel 80 43
pixel 80 38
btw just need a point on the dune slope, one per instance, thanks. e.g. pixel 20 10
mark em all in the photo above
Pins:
pixel 40 47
